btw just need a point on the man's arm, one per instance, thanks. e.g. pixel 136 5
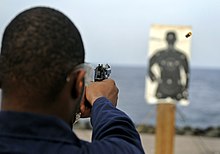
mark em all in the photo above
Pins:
pixel 113 130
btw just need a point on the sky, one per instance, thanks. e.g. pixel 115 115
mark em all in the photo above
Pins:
pixel 117 31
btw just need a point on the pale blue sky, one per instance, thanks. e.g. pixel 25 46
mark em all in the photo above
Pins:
pixel 117 31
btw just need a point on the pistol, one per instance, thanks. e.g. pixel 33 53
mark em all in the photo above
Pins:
pixel 102 72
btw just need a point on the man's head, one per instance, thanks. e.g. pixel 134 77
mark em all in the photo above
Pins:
pixel 40 48
pixel 171 38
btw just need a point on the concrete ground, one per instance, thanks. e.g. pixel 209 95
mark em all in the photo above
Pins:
pixel 183 144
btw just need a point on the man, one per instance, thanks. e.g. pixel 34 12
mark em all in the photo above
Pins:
pixel 42 84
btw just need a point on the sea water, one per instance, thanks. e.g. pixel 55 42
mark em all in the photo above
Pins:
pixel 204 96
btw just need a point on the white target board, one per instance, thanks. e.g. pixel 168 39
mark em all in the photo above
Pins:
pixel 167 80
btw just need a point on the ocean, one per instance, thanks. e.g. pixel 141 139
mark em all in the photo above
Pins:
pixel 204 96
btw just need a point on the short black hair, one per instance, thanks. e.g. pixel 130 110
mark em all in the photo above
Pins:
pixel 39 47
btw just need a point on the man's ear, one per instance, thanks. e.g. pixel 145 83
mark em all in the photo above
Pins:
pixel 0 83
pixel 77 83
pixel 1 70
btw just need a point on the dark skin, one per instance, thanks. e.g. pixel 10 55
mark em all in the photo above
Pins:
pixel 66 104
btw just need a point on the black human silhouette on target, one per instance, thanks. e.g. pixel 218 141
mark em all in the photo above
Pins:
pixel 171 62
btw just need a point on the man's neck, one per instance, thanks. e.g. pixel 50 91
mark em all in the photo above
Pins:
pixel 37 108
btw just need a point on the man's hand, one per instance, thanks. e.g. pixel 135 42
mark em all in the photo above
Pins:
pixel 106 88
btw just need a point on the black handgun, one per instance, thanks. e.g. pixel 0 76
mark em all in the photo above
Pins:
pixel 102 72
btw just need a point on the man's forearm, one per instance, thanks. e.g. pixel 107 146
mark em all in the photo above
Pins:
pixel 112 125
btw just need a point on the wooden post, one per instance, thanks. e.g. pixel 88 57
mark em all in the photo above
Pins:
pixel 165 129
